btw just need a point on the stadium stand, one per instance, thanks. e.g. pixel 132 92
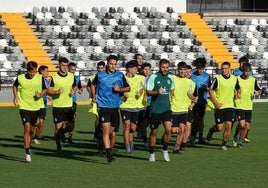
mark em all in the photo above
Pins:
pixel 46 33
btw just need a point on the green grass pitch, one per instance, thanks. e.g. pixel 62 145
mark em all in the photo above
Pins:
pixel 80 166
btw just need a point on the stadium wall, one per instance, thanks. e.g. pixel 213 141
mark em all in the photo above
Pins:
pixel 85 6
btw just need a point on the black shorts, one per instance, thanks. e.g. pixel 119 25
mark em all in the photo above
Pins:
pixel 74 108
pixel 178 119
pixel 157 119
pixel 132 116
pixel 244 115
pixel 109 115
pixel 63 114
pixel 42 113
pixel 222 115
pixel 144 117
pixel 200 109
pixel 190 116
pixel 29 116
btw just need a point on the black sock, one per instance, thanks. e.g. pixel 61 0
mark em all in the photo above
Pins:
pixel 27 151
pixel 200 136
pixel 165 145
pixel 108 152
pixel 151 149
pixel 247 134
pixel 236 132
pixel 224 143
pixel 36 137
pixel 58 145
pixel 183 144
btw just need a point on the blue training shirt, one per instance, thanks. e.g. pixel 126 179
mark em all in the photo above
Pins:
pixel 105 82
pixel 201 79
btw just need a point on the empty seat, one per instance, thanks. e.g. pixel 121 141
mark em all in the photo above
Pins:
pixel 80 49
pixel 57 28
pixel 265 55
pixel 3 57
pixel 81 65
pixel 66 29
pixel 235 49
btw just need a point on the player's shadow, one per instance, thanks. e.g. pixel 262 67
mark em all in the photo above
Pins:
pixel 10 158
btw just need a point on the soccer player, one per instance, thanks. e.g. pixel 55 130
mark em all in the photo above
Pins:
pixel 132 103
pixel 180 105
pixel 159 87
pixel 203 82
pixel 42 70
pixel 72 69
pixel 139 59
pixel 238 72
pixel 107 89
pixel 222 93
pixel 93 109
pixel 27 91
pixel 144 114
pixel 62 88
pixel 244 105
pixel 93 106
pixel 193 98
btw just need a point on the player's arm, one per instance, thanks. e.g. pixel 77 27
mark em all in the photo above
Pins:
pixel 212 94
pixel 125 88
pixel 92 87
pixel 257 88
pixel 51 91
pixel 15 92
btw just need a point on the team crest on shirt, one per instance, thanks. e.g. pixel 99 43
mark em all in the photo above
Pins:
pixel 168 81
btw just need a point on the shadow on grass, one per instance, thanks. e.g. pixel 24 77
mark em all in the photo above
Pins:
pixel 10 158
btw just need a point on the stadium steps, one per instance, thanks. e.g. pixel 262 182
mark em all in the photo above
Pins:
pixel 26 39
pixel 208 39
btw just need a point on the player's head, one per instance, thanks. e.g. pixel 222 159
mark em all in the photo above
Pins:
pixel 146 69
pixel 243 60
pixel 181 68
pixel 63 65
pixel 43 70
pixel 132 67
pixel 31 68
pixel 100 66
pixel 111 63
pixel 246 68
pixel 200 64
pixel 164 66
pixel 72 67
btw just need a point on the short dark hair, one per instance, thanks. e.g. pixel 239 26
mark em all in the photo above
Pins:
pixel 131 64
pixel 181 64
pixel 200 62
pixel 146 65
pixel 31 65
pixel 71 64
pixel 114 57
pixel 243 59
pixel 42 68
pixel 189 67
pixel 100 63
pixel 226 63
pixel 136 56
pixel 63 60
pixel 163 61
pixel 246 66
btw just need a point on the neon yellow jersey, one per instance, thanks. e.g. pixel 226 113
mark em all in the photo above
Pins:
pixel 66 83
pixel 27 90
pixel 193 86
pixel 133 101
pixel 247 93
pixel 181 101
pixel 91 77
pixel 225 91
